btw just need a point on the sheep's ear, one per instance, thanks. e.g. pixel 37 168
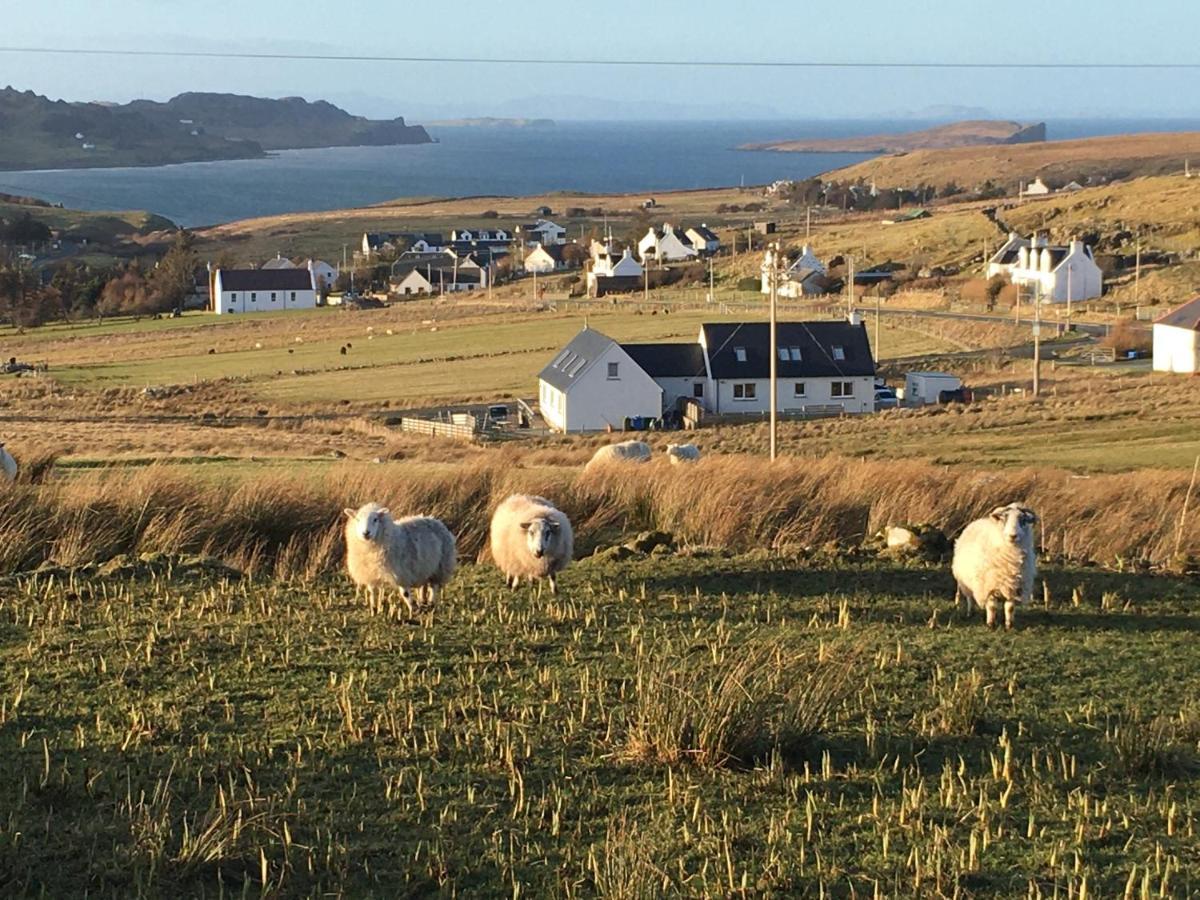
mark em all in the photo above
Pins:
pixel 1000 513
pixel 349 513
pixel 553 526
pixel 1029 516
pixel 385 512
pixel 525 526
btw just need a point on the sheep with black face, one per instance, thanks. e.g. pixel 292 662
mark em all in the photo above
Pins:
pixel 531 539
pixel 995 560
pixel 8 465
pixel 415 552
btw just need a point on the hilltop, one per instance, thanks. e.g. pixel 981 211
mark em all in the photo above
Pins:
pixel 37 132
pixel 1056 162
pixel 957 134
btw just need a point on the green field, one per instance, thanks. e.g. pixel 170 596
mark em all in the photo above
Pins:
pixel 746 726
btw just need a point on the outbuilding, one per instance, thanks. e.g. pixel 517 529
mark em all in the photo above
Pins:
pixel 1177 340
pixel 921 388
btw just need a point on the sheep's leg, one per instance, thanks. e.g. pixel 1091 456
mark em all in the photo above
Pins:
pixel 991 613
pixel 516 582
pixel 553 585
pixel 432 590
pixel 407 598
pixel 1010 612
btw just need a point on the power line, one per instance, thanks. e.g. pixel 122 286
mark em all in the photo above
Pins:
pixel 654 63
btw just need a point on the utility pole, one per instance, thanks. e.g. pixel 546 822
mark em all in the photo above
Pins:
pixel 535 285
pixel 849 285
pixel 878 304
pixel 1137 278
pixel 773 277
pixel 1070 271
pixel 807 223
pixel 1017 317
pixel 1037 339
pixel 710 279
pixel 646 280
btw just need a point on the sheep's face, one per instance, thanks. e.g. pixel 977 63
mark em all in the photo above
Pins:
pixel 368 521
pixel 539 536
pixel 1017 521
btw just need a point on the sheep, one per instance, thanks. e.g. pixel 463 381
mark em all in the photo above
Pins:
pixel 531 538
pixel 682 453
pixel 418 551
pixel 623 452
pixel 995 559
pixel 8 465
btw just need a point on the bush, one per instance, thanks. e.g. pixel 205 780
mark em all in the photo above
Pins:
pixel 749 284
pixel 1126 336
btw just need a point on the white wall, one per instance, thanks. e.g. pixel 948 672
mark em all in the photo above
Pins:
pixel 1176 349
pixel 552 405
pixel 673 388
pixel 817 392
pixel 595 401
pixel 262 301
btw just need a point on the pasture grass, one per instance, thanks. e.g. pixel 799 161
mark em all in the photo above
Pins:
pixel 181 735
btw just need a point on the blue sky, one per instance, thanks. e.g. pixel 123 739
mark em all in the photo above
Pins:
pixel 942 30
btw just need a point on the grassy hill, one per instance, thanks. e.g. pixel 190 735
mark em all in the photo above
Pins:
pixel 957 134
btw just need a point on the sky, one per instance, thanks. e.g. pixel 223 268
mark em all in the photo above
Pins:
pixel 1157 31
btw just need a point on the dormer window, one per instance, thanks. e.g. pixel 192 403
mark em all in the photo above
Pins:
pixel 739 353
pixel 839 352
pixel 794 354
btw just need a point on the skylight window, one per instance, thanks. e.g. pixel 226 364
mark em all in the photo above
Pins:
pixel 794 354
pixel 558 360
pixel 576 366
pixel 839 352
pixel 739 354
pixel 783 354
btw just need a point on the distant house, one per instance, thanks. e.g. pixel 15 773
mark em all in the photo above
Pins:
pixel 764 227
pixel 1070 187
pixel 465 277
pixel 703 240
pixel 1177 340
pixel 323 274
pixel 805 276
pixel 667 245
pixel 1036 188
pixel 374 242
pixel 1054 272
pixel 262 290
pixel 1004 259
pixel 279 262
pixel 544 259
pixel 595 383
pixel 612 274
pixel 543 232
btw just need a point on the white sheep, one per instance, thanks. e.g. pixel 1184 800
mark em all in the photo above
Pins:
pixel 531 538
pixel 623 452
pixel 995 559
pixel 682 453
pixel 8 465
pixel 418 551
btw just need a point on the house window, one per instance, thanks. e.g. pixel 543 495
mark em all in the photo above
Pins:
pixel 783 354
pixel 745 391
pixel 274 299
pixel 614 370
pixel 842 389
pixel 739 354
pixel 798 389
pixel 253 296
pixel 794 354
pixel 698 390
pixel 293 296
pixel 839 352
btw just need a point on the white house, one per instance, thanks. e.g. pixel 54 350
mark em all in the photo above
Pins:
pixel 593 384
pixel 429 279
pixel 822 367
pixel 279 262
pixel 1056 272
pixel 1177 340
pixel 262 290
pixel 386 241
pixel 323 274
pixel 1036 188
pixel 544 259
pixel 803 277
pixel 1003 260
pixel 611 273
pixel 665 246
pixel 703 240
pixel 543 232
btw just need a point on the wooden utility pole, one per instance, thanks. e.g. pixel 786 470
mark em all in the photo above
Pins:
pixel 807 223
pixel 1137 278
pixel 646 280
pixel 773 278
pixel 1037 339
pixel 710 279
pixel 878 305
pixel 849 285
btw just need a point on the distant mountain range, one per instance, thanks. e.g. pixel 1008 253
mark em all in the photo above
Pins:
pixel 491 122
pixel 39 133
pixel 958 134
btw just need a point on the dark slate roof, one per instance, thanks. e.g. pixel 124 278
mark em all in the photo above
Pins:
pixel 571 362
pixel 668 360
pixel 705 233
pixel 266 280
pixel 816 341
pixel 555 251
pixel 1186 316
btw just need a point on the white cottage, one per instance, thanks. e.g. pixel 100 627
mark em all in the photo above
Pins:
pixel 262 290
pixel 665 246
pixel 1177 340
pixel 593 384
pixel 804 276
pixel 544 259
pixel 323 274
pixel 611 273
pixel 1058 274
pixel 544 232
pixel 703 240
pixel 1004 259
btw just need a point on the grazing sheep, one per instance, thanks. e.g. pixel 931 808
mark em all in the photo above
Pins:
pixel 623 452
pixel 682 453
pixel 531 539
pixel 418 551
pixel 8 465
pixel 995 559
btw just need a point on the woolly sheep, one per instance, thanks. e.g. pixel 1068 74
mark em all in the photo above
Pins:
pixel 625 451
pixel 995 559
pixel 417 551
pixel 682 453
pixel 8 465
pixel 530 539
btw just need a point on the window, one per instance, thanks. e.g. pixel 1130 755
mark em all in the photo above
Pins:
pixel 698 389
pixel 293 296
pixel 842 389
pixel 613 370
pixel 559 359
pixel 253 296
pixel 739 354
pixel 798 389
pixel 783 354
pixel 794 354
pixel 274 297
pixel 839 352
pixel 745 391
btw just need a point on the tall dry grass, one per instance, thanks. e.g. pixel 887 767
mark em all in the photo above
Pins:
pixel 290 524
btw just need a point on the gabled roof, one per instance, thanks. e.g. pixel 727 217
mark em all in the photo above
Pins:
pixel 704 233
pixel 266 280
pixel 668 360
pixel 815 340
pixel 1186 316
pixel 279 262
pixel 571 362
pixel 554 251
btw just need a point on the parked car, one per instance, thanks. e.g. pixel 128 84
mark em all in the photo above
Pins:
pixel 498 413
pixel 885 398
